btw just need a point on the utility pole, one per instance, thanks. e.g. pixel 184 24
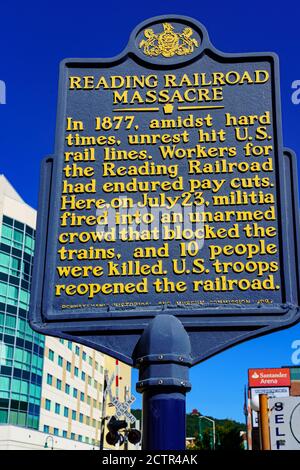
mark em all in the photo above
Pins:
pixel 264 422
pixel 103 413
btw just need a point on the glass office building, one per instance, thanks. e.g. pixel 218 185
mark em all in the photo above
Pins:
pixel 21 349
pixel 48 384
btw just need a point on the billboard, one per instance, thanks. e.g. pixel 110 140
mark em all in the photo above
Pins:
pixel 285 423
pixel 269 377
pixel 167 193
pixel 272 393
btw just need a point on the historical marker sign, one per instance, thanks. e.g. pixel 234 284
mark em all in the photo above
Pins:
pixel 167 193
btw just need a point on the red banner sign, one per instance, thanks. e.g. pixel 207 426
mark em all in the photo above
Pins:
pixel 269 377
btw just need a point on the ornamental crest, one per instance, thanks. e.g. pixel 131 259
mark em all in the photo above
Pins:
pixel 168 43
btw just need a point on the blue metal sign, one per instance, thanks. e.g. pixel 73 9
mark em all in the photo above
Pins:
pixel 169 192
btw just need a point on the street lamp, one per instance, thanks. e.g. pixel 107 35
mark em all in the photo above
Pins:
pixel 195 412
pixel 214 429
pixel 46 442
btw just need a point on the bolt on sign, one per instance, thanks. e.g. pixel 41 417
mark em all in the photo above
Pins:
pixel 169 191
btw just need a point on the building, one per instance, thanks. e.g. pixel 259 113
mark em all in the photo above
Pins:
pixel 21 349
pixel 295 381
pixel 19 438
pixel 72 391
pixel 47 384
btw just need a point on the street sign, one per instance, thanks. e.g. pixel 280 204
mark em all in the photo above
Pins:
pixel 285 423
pixel 169 192
pixel 279 377
pixel 108 383
pixel 122 409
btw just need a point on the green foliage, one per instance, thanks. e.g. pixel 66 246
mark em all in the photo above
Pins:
pixel 227 433
pixel 137 413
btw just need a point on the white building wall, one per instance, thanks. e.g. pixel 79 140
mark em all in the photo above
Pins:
pixel 12 205
pixel 91 388
pixel 17 438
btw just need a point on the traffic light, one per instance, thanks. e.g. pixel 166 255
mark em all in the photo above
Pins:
pixel 114 426
pixel 134 436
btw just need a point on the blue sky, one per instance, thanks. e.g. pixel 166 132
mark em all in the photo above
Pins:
pixel 35 36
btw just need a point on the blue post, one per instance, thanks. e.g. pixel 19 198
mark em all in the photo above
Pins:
pixel 163 356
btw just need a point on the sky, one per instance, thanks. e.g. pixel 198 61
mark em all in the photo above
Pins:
pixel 35 36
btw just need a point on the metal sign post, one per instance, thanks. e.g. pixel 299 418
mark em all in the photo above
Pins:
pixel 169 205
pixel 163 381
pixel 264 426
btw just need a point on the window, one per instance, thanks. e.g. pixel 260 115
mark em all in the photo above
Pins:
pixel 88 400
pixel 80 438
pixel 60 361
pixel 7 232
pixel 84 356
pixel 81 396
pixel 68 366
pixel 65 434
pixel 70 345
pixel 51 355
pixel 48 404
pixel 5 386
pixel 29 245
pixel 58 384
pixel 82 375
pixel 46 428
pixel 96 365
pixel 77 350
pixel 75 392
pixel 49 379
pixel 67 389
pixel 80 417
pixel 90 360
pixel 74 415
pixel 66 412
pixel 76 371
pixel 89 380
pixel 61 340
pixel 55 432
pixel 73 435
pixel 57 408
pixel 4 262
pixel 23 298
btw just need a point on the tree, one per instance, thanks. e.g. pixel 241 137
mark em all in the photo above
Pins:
pixel 227 433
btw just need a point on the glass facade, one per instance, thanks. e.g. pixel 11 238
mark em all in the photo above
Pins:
pixel 295 373
pixel 21 349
